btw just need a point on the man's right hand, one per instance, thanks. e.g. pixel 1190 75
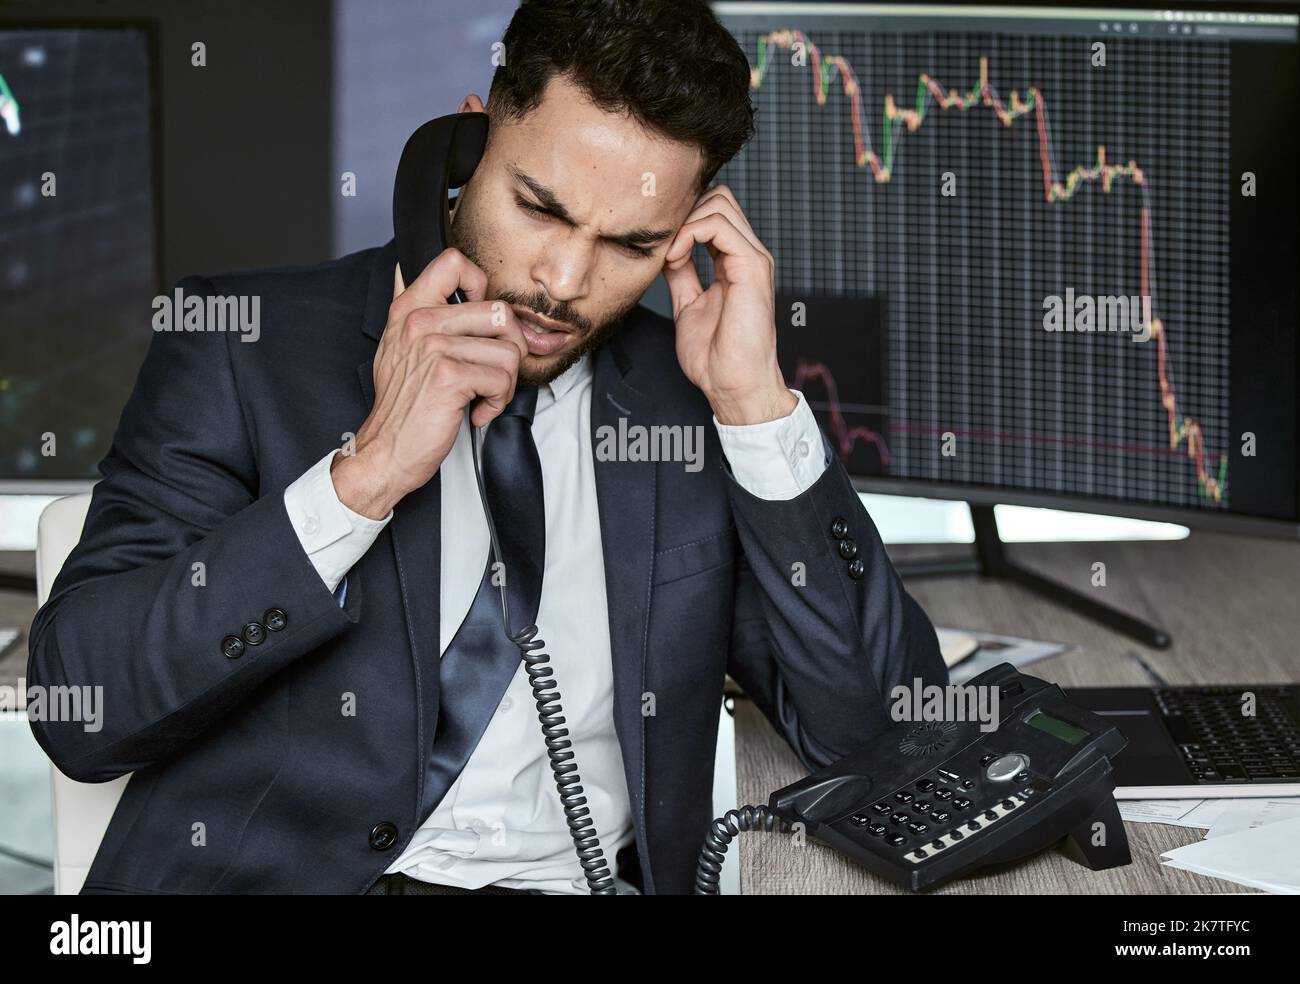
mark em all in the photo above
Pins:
pixel 433 359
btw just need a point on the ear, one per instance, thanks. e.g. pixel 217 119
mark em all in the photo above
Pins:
pixel 471 104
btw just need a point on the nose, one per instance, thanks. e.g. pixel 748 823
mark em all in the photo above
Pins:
pixel 563 270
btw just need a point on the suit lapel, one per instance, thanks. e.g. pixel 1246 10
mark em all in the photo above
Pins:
pixel 415 532
pixel 625 495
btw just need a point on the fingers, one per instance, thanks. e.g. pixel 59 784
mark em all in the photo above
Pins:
pixel 721 200
pixel 449 270
pixel 493 385
pixel 482 319
pixel 717 230
pixel 719 224
pixel 683 283
pixel 492 352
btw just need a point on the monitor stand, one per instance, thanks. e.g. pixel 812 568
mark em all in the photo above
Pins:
pixel 991 561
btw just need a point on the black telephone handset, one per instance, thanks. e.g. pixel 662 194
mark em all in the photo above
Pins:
pixel 442 154
pixel 921 804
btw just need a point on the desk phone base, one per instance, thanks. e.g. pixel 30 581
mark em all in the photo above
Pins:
pixel 932 800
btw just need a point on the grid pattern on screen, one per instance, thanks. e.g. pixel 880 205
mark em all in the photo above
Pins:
pixel 964 277
pixel 76 243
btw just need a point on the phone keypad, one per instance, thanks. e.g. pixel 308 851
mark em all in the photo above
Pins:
pixel 987 819
pixel 944 808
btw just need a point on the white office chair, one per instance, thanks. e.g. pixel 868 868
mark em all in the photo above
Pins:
pixel 81 810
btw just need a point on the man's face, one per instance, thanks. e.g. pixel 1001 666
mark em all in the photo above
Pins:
pixel 570 214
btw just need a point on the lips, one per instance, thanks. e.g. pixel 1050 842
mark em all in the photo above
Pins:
pixel 543 335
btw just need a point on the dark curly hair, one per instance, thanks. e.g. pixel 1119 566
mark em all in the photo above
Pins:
pixel 669 63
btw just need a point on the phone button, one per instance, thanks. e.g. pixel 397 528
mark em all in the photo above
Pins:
pixel 1007 767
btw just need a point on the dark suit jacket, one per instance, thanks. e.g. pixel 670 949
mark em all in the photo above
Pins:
pixel 293 795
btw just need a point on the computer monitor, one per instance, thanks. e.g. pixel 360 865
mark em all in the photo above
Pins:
pixel 79 233
pixel 1035 254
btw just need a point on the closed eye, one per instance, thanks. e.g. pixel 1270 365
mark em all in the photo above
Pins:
pixel 535 209
pixel 641 251
pixel 528 206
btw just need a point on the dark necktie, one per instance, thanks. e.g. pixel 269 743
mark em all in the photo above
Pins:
pixel 480 662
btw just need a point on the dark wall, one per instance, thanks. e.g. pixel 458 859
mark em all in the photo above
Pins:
pixel 245 141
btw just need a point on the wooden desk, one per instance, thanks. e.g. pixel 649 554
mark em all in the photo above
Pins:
pixel 1232 605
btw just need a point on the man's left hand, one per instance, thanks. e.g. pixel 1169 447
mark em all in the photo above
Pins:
pixel 726 335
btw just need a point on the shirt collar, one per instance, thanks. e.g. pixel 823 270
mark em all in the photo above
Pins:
pixel 564 382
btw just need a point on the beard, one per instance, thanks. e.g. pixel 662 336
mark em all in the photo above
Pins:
pixel 588 335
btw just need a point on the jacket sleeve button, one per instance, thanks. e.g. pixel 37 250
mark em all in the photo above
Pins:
pixel 839 527
pixel 275 619
pixel 857 568
pixel 232 647
pixel 848 549
pixel 254 633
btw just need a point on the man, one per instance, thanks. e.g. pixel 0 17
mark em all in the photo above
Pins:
pixel 284 585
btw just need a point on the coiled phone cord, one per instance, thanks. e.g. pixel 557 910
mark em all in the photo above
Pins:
pixel 721 833
pixel 550 712
pixel 568 783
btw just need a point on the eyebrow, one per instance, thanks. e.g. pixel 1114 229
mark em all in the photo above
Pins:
pixel 547 200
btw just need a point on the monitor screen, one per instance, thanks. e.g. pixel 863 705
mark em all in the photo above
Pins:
pixel 1035 254
pixel 77 224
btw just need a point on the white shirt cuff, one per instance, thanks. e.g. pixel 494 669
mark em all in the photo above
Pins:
pixel 777 459
pixel 333 536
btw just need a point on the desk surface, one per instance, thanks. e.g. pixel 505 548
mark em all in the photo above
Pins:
pixel 1230 603
pixel 1232 607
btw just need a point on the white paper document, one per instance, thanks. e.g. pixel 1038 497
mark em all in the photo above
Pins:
pixel 1246 814
pixel 1266 857
pixel 1180 813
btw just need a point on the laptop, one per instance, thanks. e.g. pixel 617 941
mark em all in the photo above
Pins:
pixel 1195 742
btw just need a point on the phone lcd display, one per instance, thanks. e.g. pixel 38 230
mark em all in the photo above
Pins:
pixel 1056 727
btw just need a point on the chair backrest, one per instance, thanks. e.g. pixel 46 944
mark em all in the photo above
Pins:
pixel 81 810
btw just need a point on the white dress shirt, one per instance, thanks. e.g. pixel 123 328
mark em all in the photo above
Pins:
pixel 501 822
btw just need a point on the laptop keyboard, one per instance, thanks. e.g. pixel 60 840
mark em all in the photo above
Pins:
pixel 1220 744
